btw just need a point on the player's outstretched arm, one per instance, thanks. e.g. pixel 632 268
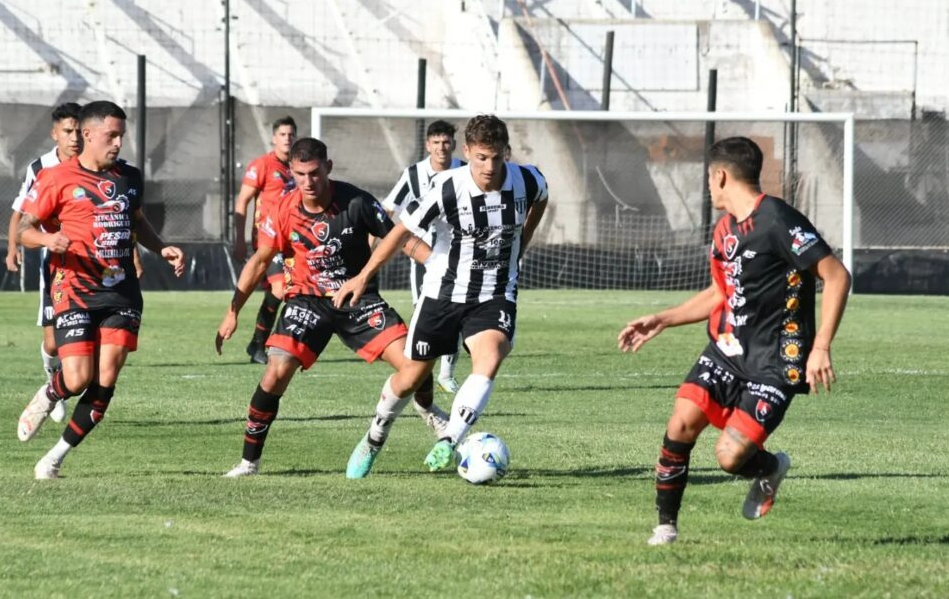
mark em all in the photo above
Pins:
pixel 251 275
pixel 145 234
pixel 695 309
pixel 13 250
pixel 247 195
pixel 29 235
pixel 837 280
pixel 416 249
pixel 356 286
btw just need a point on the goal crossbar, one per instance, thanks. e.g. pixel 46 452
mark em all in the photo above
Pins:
pixel 845 118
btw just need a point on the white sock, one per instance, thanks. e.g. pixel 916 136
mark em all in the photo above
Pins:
pixel 447 368
pixel 387 410
pixel 59 451
pixel 470 401
pixel 50 363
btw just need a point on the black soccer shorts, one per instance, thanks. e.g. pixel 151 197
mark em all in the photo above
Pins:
pixel 436 325
pixel 307 323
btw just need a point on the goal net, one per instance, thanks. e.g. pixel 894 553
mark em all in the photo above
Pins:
pixel 627 208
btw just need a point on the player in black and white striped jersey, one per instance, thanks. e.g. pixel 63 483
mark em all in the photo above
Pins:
pixel 65 133
pixel 484 215
pixel 414 183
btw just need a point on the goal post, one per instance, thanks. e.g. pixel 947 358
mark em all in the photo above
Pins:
pixel 626 187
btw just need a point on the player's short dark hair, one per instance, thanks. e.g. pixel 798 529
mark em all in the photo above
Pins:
pixel 287 120
pixel 100 110
pixel 68 110
pixel 308 149
pixel 440 128
pixel 742 156
pixel 486 130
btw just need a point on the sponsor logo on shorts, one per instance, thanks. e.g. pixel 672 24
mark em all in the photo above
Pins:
pixel 505 322
pixel 763 410
pixel 300 315
pixel 73 319
pixel 422 348
pixel 377 320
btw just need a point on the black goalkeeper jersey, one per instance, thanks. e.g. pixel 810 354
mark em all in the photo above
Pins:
pixel 765 326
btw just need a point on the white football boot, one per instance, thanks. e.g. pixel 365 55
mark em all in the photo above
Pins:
pixel 245 468
pixel 34 415
pixel 664 534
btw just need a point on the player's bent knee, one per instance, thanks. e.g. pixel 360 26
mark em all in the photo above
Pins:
pixel 281 367
pixel 732 451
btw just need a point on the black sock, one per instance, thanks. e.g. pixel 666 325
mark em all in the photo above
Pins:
pixel 672 474
pixel 266 317
pixel 57 389
pixel 88 413
pixel 761 464
pixel 425 394
pixel 260 415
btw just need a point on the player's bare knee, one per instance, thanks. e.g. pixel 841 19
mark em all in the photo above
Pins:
pixel 77 377
pixel 732 450
pixel 280 369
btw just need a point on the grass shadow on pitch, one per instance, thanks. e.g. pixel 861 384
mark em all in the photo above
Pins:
pixel 913 540
pixel 242 420
pixel 619 386
pixel 860 475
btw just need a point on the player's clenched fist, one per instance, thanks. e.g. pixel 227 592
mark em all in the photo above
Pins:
pixel 57 243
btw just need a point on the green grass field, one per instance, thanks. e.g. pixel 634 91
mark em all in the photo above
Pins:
pixel 142 510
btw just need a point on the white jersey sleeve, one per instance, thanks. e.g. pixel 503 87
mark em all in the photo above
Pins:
pixel 31 171
pixel 395 201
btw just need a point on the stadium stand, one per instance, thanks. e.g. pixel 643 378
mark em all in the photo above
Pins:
pixel 290 55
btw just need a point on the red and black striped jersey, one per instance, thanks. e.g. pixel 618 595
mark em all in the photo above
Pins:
pixel 96 212
pixel 764 327
pixel 323 250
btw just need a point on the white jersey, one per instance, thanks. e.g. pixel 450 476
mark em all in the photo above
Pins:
pixel 414 183
pixel 477 234
pixel 47 160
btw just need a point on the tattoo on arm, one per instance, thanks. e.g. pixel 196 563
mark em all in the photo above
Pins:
pixel 27 221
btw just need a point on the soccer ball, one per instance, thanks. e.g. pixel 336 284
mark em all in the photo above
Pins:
pixel 482 458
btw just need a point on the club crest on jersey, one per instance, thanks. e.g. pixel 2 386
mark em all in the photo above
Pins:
pixel 377 320
pixel 107 188
pixel 730 246
pixel 763 410
pixel 320 230
pixel 802 240
pixel 520 203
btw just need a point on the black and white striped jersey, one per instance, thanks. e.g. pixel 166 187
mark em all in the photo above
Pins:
pixel 47 160
pixel 477 234
pixel 414 183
